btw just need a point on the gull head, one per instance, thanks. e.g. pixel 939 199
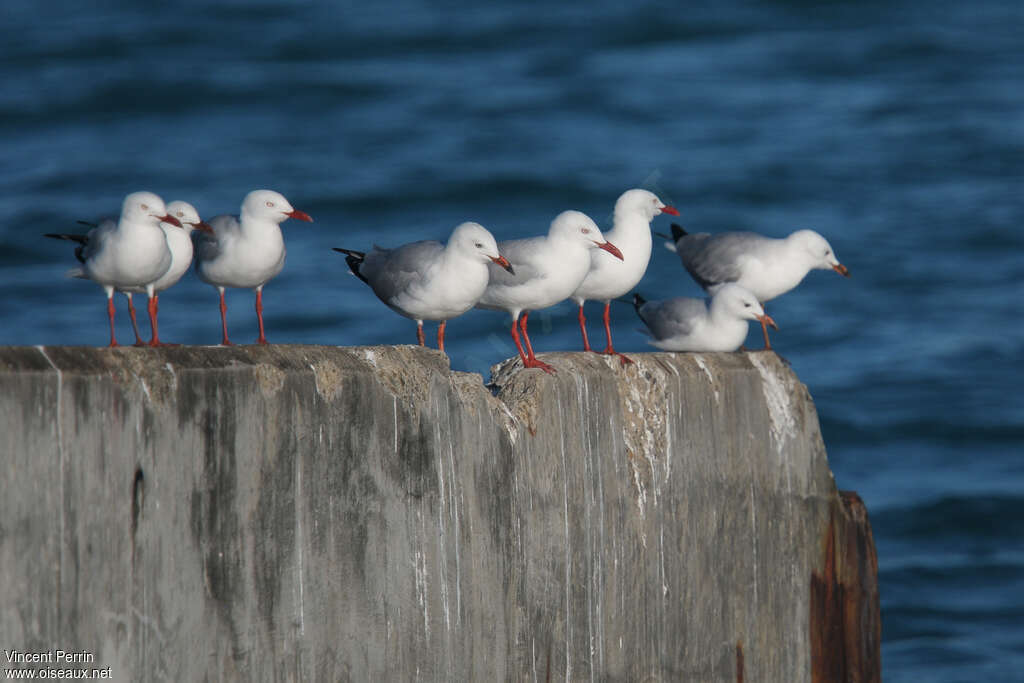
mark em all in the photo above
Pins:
pixel 146 207
pixel 818 251
pixel 642 202
pixel 476 241
pixel 187 216
pixel 740 303
pixel 576 227
pixel 267 205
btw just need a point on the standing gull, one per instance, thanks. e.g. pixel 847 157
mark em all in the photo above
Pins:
pixel 246 250
pixel 428 280
pixel 610 278
pixel 547 270
pixel 686 324
pixel 179 240
pixel 131 252
pixel 766 266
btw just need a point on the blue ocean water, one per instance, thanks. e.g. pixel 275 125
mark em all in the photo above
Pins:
pixel 896 129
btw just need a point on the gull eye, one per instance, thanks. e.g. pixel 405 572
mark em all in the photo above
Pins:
pixel 478 245
pixel 828 252
pixel 270 204
pixel 585 231
pixel 746 305
pixel 181 214
pixel 144 207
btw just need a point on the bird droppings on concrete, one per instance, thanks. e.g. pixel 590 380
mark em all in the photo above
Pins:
pixel 270 379
pixel 329 379
pixel 777 389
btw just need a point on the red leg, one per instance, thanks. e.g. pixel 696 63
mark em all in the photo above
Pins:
pixel 526 336
pixel 519 345
pixel 608 331
pixel 135 324
pixel 420 339
pixel 764 328
pixel 531 360
pixel 440 335
pixel 156 304
pixel 224 320
pixel 152 307
pixel 110 313
pixel 259 315
pixel 583 330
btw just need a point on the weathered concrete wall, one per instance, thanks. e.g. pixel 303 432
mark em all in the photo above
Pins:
pixel 318 513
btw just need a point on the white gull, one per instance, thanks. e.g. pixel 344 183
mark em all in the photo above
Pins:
pixel 428 280
pixel 767 267
pixel 131 252
pixel 179 240
pixel 548 270
pixel 610 278
pixel 687 324
pixel 245 251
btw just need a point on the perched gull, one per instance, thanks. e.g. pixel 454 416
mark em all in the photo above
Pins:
pixel 610 278
pixel 245 251
pixel 547 270
pixel 131 252
pixel 685 324
pixel 179 242
pixel 765 266
pixel 429 280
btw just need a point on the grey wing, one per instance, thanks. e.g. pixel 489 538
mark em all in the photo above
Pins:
pixel 713 260
pixel 95 239
pixel 673 317
pixel 391 271
pixel 520 253
pixel 207 245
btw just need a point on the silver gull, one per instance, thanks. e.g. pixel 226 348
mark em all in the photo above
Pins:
pixel 179 240
pixel 767 267
pixel 548 270
pixel 610 278
pixel 687 324
pixel 245 251
pixel 429 280
pixel 129 252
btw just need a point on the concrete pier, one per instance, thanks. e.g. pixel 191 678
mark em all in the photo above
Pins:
pixel 354 514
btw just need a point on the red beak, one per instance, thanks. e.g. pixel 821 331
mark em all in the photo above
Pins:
pixel 767 320
pixel 203 226
pixel 300 215
pixel 170 219
pixel 611 249
pixel 671 210
pixel 842 270
pixel 503 262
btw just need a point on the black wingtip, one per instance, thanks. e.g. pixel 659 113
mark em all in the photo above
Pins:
pixel 80 239
pixel 678 232
pixel 638 301
pixel 88 224
pixel 354 259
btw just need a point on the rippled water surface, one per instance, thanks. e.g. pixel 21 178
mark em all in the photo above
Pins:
pixel 896 129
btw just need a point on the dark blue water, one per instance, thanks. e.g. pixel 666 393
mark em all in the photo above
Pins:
pixel 896 129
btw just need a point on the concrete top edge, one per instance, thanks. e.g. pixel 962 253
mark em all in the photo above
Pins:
pixel 85 360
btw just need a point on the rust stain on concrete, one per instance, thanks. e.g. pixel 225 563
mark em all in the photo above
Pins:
pixel 845 618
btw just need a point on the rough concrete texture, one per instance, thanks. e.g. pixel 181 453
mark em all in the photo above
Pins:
pixel 320 513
